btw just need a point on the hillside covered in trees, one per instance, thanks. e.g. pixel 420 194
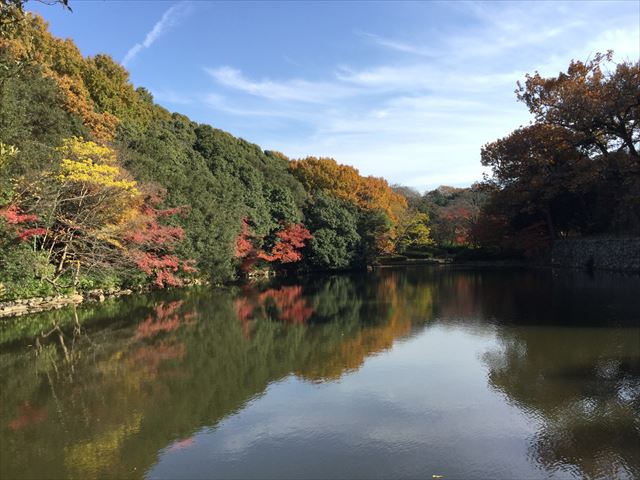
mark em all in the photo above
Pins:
pixel 101 187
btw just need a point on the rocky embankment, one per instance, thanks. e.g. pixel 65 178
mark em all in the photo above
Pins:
pixel 14 308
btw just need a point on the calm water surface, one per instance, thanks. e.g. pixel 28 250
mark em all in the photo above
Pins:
pixel 403 373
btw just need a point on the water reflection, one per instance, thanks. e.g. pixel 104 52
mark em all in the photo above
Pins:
pixel 142 377
pixel 584 385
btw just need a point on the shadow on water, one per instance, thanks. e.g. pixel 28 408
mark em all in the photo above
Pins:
pixel 105 396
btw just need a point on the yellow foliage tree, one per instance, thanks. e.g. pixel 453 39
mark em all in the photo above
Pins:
pixel 86 203
pixel 413 231
pixel 95 192
pixel 93 166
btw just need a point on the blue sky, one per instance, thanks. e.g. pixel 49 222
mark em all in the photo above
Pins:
pixel 408 91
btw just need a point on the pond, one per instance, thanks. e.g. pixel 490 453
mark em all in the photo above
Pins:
pixel 398 373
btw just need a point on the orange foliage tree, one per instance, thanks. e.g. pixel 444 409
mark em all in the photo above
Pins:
pixel 96 88
pixel 345 182
pixel 599 108
pixel 326 176
pixel 576 169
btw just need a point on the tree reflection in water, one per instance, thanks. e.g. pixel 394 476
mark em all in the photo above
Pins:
pixel 144 375
pixel 140 388
pixel 585 391
pixel 569 357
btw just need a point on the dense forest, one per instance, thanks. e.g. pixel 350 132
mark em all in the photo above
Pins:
pixel 102 187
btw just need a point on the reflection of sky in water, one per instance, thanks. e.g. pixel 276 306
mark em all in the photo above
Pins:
pixel 422 408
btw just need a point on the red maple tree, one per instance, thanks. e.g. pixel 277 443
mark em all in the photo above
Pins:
pixel 13 216
pixel 289 241
pixel 153 244
pixel 287 248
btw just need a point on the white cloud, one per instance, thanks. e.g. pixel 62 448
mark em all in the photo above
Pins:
pixel 219 103
pixel 400 46
pixel 625 42
pixel 290 90
pixel 427 78
pixel 169 19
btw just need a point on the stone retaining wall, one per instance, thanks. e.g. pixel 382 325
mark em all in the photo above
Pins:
pixel 598 253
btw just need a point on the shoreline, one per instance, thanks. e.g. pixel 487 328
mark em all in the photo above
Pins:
pixel 26 306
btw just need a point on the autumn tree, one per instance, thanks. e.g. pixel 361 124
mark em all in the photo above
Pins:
pixel 538 168
pixel 95 89
pixel 601 109
pixel 452 212
pixel 88 215
pixel 344 182
pixel 151 244
pixel 78 205
pixel 576 168
pixel 371 195
pixel 11 11
pixel 288 245
pixel 283 247
pixel 413 232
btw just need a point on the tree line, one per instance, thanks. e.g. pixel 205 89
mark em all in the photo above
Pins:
pixel 102 187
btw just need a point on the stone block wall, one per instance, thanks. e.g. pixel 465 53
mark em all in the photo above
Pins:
pixel 598 253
